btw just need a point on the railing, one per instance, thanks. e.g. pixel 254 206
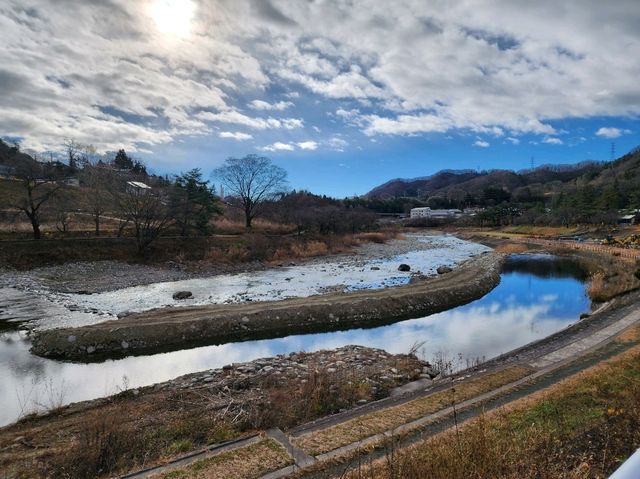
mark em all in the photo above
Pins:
pixel 596 248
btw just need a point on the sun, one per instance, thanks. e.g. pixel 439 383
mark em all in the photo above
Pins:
pixel 173 17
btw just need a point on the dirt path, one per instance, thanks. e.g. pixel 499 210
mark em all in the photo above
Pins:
pixel 319 449
pixel 177 328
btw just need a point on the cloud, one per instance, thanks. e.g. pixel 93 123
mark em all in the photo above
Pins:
pixel 278 146
pixel 498 68
pixel 552 141
pixel 236 135
pixel 610 132
pixel 481 143
pixel 258 123
pixel 513 141
pixel 337 144
pixel 264 105
pixel 307 145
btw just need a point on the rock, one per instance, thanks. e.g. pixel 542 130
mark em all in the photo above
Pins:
pixel 432 373
pixel 404 267
pixel 180 295
pixel 375 268
pixel 71 339
pixel 584 315
pixel 443 270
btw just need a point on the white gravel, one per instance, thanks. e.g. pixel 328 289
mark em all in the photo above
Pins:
pixel 372 266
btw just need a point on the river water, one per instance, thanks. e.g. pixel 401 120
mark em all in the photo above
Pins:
pixel 538 295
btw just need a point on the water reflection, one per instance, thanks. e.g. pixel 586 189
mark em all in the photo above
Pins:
pixel 535 298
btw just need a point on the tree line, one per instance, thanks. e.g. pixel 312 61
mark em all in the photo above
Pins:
pixel 147 206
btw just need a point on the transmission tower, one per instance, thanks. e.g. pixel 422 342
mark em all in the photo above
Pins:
pixel 613 150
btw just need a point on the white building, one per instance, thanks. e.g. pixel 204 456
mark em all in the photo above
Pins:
pixel 427 212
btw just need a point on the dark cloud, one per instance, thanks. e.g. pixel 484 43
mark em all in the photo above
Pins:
pixel 268 11
pixel 500 41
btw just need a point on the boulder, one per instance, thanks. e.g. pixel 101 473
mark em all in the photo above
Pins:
pixel 443 269
pixel 180 295
pixel 404 267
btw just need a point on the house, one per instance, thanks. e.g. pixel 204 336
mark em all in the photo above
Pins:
pixel 629 219
pixel 137 187
pixel 426 212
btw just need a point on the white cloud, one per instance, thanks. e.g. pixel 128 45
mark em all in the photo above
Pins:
pixel 307 145
pixel 481 143
pixel 236 135
pixel 264 105
pixel 278 146
pixel 488 67
pixel 610 132
pixel 235 117
pixel 552 141
pixel 337 144
pixel 513 141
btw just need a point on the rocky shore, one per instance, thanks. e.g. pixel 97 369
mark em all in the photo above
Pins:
pixel 177 328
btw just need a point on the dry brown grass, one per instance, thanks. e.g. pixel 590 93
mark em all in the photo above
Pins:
pixel 597 287
pixel 247 462
pixel 228 226
pixel 581 427
pixel 325 440
pixel 631 335
pixel 611 276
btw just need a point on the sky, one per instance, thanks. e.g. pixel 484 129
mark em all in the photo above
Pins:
pixel 344 94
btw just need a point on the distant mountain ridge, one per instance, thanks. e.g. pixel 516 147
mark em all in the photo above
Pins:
pixel 474 182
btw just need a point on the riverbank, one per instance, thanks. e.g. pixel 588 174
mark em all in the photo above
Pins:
pixel 201 408
pixel 174 328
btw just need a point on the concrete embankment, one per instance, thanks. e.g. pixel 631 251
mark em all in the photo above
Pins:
pixel 177 328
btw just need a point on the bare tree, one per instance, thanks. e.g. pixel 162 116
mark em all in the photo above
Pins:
pixel 146 211
pixel 73 150
pixel 253 179
pixel 39 186
pixel 99 181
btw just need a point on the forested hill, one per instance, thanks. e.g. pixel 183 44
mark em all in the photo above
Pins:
pixel 448 182
pixel 623 173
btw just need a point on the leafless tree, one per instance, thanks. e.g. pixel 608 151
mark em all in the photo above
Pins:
pixel 253 179
pixel 99 181
pixel 147 212
pixel 39 186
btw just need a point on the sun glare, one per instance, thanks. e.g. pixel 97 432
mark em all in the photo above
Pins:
pixel 173 17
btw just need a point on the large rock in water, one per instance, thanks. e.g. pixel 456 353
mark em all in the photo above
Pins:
pixel 404 267
pixel 443 270
pixel 180 295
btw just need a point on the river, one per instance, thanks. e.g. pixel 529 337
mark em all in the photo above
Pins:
pixel 538 295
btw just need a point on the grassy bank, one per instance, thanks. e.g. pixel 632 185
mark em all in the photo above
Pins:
pixel 136 429
pixel 583 427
